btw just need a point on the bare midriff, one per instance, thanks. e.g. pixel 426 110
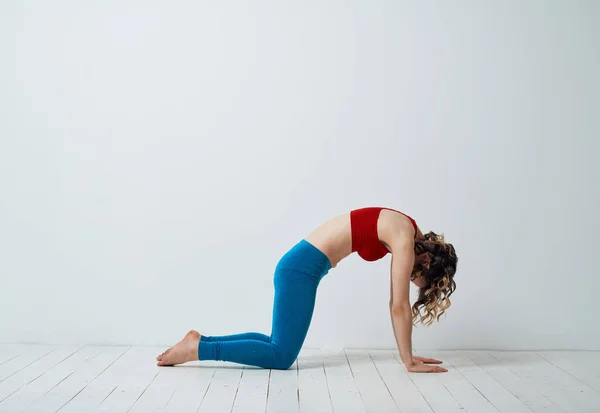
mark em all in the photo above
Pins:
pixel 333 238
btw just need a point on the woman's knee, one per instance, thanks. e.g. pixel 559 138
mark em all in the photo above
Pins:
pixel 279 358
pixel 282 364
pixel 284 360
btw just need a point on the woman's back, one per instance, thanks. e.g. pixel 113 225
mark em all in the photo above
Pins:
pixel 335 237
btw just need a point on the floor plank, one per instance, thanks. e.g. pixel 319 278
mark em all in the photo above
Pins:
pixel 222 391
pixel 376 396
pixel 33 371
pixel 64 391
pixel 465 394
pixel 502 399
pixel 139 373
pixel 313 391
pixel 283 391
pixel 102 386
pixel 584 366
pixel 8 352
pixel 434 391
pixel 343 391
pixel 71 379
pixel 561 388
pixel 191 383
pixel 23 356
pixel 38 388
pixel 405 393
pixel 521 387
pixel 252 391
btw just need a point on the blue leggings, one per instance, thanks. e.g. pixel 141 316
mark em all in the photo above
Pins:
pixel 297 277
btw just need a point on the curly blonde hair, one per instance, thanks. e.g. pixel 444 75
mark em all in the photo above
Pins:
pixel 438 271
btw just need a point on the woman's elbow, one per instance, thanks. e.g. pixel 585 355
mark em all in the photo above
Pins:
pixel 400 308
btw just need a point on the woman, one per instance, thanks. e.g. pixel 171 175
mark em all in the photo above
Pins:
pixel 426 260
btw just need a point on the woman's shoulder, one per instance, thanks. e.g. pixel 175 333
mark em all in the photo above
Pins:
pixel 395 227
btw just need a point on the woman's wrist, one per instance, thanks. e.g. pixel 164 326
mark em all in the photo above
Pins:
pixel 407 359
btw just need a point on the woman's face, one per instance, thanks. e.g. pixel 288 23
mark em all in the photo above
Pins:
pixel 419 282
pixel 421 260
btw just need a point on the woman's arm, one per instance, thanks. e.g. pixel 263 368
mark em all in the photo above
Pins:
pixel 400 310
pixel 402 264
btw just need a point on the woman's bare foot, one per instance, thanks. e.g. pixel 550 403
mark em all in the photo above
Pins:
pixel 182 352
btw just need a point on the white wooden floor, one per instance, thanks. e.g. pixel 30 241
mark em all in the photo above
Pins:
pixel 36 378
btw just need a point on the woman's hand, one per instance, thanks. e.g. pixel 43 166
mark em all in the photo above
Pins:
pixel 426 360
pixel 423 365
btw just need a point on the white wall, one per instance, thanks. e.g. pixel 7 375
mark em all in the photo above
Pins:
pixel 157 158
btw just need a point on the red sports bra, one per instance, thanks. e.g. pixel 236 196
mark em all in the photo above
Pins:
pixel 365 239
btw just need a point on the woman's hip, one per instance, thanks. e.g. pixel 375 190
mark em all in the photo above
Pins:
pixel 303 261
